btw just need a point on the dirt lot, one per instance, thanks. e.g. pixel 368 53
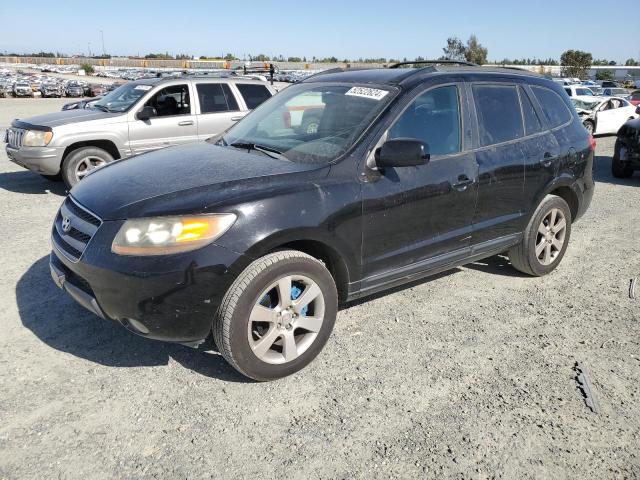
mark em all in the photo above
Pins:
pixel 466 375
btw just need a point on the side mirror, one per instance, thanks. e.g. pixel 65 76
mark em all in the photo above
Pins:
pixel 146 113
pixel 402 152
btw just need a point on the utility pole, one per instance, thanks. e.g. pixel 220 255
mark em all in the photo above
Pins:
pixel 103 50
pixel 89 47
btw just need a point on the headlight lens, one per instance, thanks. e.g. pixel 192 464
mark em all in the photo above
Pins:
pixel 36 138
pixel 166 235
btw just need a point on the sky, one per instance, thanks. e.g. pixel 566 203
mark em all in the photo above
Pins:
pixel 321 28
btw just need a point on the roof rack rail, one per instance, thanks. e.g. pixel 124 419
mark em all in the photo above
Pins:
pixel 322 72
pixel 435 62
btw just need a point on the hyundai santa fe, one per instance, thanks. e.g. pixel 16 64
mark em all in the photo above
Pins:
pixel 258 234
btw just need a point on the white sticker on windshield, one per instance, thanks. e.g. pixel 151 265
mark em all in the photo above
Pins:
pixel 143 87
pixel 373 93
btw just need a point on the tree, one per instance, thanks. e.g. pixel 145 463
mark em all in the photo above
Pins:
pixel 230 57
pixel 454 50
pixel 88 69
pixel 575 63
pixel 475 52
pixel 604 75
pixel 631 63
pixel 261 58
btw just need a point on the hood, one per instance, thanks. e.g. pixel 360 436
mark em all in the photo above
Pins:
pixel 193 178
pixel 65 117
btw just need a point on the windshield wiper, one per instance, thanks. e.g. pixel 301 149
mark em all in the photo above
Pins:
pixel 269 151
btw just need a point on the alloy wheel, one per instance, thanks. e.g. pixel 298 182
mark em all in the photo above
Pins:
pixel 286 319
pixel 87 164
pixel 551 236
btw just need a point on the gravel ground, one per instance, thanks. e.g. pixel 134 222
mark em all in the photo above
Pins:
pixel 465 375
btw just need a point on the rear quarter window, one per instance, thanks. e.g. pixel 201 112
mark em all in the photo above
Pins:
pixel 498 110
pixel 253 95
pixel 553 106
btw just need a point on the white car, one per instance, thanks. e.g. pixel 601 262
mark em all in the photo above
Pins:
pixel 578 91
pixel 601 115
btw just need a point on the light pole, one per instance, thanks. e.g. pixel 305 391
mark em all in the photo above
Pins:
pixel 89 47
pixel 104 52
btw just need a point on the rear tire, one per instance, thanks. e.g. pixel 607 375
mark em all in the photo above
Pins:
pixel 590 126
pixel 81 161
pixel 545 239
pixel 265 335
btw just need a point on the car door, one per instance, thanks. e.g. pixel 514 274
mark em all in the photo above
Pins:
pixel 414 217
pixel 501 205
pixel 218 108
pixel 611 116
pixel 173 124
pixel 542 152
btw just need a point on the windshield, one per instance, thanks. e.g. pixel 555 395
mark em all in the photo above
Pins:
pixel 122 98
pixel 309 123
pixel 585 104
pixel 618 91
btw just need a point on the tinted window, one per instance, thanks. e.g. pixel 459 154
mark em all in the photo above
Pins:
pixel 253 95
pixel 554 108
pixel 231 99
pixel 434 118
pixel 498 109
pixel 568 90
pixel 173 100
pixel 213 99
pixel 531 121
pixel 583 91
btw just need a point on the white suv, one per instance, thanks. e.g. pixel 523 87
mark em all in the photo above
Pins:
pixel 135 118
pixel 578 91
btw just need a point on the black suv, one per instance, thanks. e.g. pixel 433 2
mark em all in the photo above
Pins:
pixel 260 233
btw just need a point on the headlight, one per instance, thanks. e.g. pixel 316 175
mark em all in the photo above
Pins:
pixel 36 138
pixel 166 235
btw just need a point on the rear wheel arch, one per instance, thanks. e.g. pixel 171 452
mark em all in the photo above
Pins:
pixel 569 196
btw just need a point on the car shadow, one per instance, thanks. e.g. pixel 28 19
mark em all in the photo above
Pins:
pixel 496 265
pixel 62 324
pixel 31 183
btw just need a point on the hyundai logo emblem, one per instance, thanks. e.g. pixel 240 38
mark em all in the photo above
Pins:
pixel 66 224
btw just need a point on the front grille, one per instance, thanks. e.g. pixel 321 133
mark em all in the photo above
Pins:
pixel 14 137
pixel 73 229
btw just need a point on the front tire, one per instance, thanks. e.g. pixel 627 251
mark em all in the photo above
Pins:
pixel 277 316
pixel 81 162
pixel 619 168
pixel 545 239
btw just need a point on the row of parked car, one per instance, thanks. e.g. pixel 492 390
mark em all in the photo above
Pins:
pixel 21 84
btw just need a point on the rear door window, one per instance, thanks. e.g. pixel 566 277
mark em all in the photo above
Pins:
pixel 532 123
pixel 215 98
pixel 253 94
pixel 498 110
pixel 553 106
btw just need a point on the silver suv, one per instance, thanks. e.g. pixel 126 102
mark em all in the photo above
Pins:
pixel 135 118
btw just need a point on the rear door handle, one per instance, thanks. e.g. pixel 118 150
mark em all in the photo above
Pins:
pixel 236 119
pixel 548 159
pixel 184 123
pixel 463 183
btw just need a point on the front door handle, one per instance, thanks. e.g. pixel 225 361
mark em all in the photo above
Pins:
pixel 463 183
pixel 548 159
pixel 236 119
pixel 185 123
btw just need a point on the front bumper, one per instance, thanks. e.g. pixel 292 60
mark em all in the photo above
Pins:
pixel 172 298
pixel 43 160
